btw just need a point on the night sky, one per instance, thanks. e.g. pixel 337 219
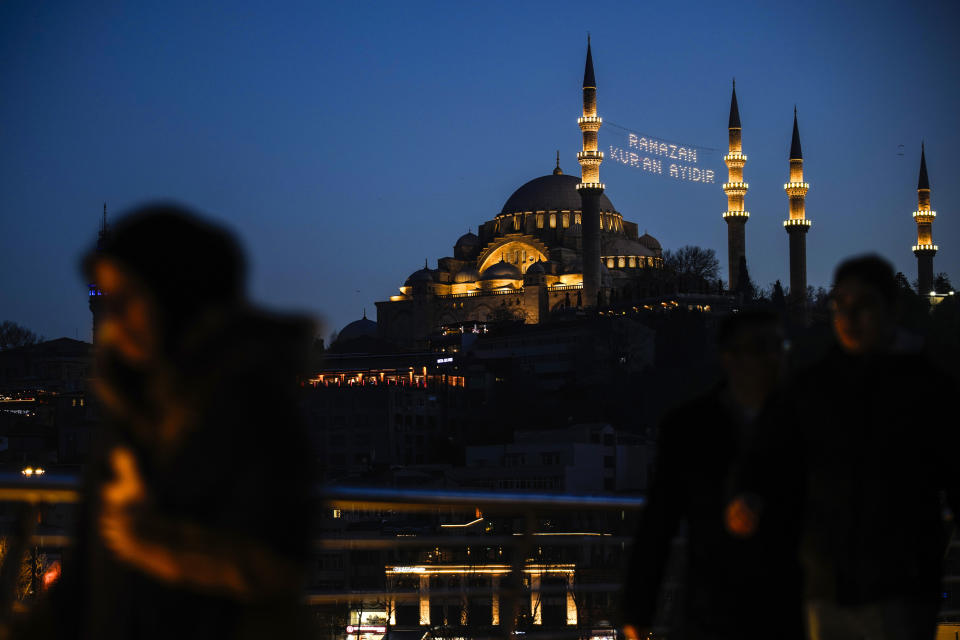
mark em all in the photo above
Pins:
pixel 347 142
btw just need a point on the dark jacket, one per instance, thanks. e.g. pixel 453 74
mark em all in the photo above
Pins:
pixel 868 447
pixel 241 473
pixel 733 588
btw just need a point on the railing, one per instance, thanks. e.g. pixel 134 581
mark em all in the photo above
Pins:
pixel 515 583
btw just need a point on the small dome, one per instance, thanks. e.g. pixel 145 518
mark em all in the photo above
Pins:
pixel 420 276
pixel 358 329
pixel 468 240
pixel 467 246
pixel 649 241
pixel 467 274
pixel 501 271
pixel 536 269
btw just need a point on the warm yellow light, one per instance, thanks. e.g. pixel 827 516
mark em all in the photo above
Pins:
pixel 925 247
pixel 797 222
pixel 28 471
pixel 924 214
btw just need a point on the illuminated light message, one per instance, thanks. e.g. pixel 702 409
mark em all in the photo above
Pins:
pixel 662 158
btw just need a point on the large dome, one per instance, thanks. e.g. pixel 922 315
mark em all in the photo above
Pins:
pixel 550 193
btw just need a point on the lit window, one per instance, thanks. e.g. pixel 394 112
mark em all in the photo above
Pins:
pixel 553 221
pixel 621 262
pixel 633 262
pixel 576 218
pixel 336 513
pixel 566 220
pixel 539 221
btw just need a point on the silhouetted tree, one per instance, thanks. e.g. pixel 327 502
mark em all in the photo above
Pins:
pixel 777 297
pixel 902 281
pixel 942 284
pixel 695 267
pixel 12 335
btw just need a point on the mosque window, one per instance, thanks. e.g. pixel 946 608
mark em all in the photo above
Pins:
pixel 633 262
pixel 621 262
pixel 576 218
pixel 553 221
pixel 516 223
pixel 539 221
pixel 609 263
pixel 566 219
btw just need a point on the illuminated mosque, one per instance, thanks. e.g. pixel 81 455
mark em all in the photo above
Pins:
pixel 557 243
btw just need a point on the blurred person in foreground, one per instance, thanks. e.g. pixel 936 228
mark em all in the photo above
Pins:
pixel 197 520
pixel 729 583
pixel 864 439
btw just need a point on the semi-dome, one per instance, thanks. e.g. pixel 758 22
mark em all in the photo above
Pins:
pixel 649 241
pixel 555 192
pixel 467 274
pixel 625 247
pixel 358 329
pixel 501 271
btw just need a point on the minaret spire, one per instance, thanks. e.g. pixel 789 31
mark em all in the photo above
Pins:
pixel 796 153
pixel 736 190
pixel 797 224
pixel 588 78
pixel 557 171
pixel 924 250
pixel 590 187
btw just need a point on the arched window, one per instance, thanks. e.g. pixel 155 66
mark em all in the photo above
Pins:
pixel 539 221
pixel 633 262
pixel 576 219
pixel 609 263
pixel 566 219
pixel 553 221
pixel 621 262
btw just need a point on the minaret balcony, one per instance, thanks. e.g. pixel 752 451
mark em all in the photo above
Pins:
pixel 924 216
pixel 735 159
pixel 588 154
pixel 796 188
pixel 797 222
pixel 924 248
pixel 591 185
pixel 590 123
pixel 735 187
pixel 727 215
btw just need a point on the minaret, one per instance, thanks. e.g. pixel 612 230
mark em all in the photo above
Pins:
pixel 590 187
pixel 924 249
pixel 798 225
pixel 735 189
pixel 94 295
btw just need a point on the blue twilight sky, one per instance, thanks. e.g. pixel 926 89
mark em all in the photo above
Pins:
pixel 347 142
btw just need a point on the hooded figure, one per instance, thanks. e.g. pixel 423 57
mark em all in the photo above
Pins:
pixel 198 502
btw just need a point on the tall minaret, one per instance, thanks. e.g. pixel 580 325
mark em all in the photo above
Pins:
pixel 735 189
pixel 798 225
pixel 590 187
pixel 924 249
